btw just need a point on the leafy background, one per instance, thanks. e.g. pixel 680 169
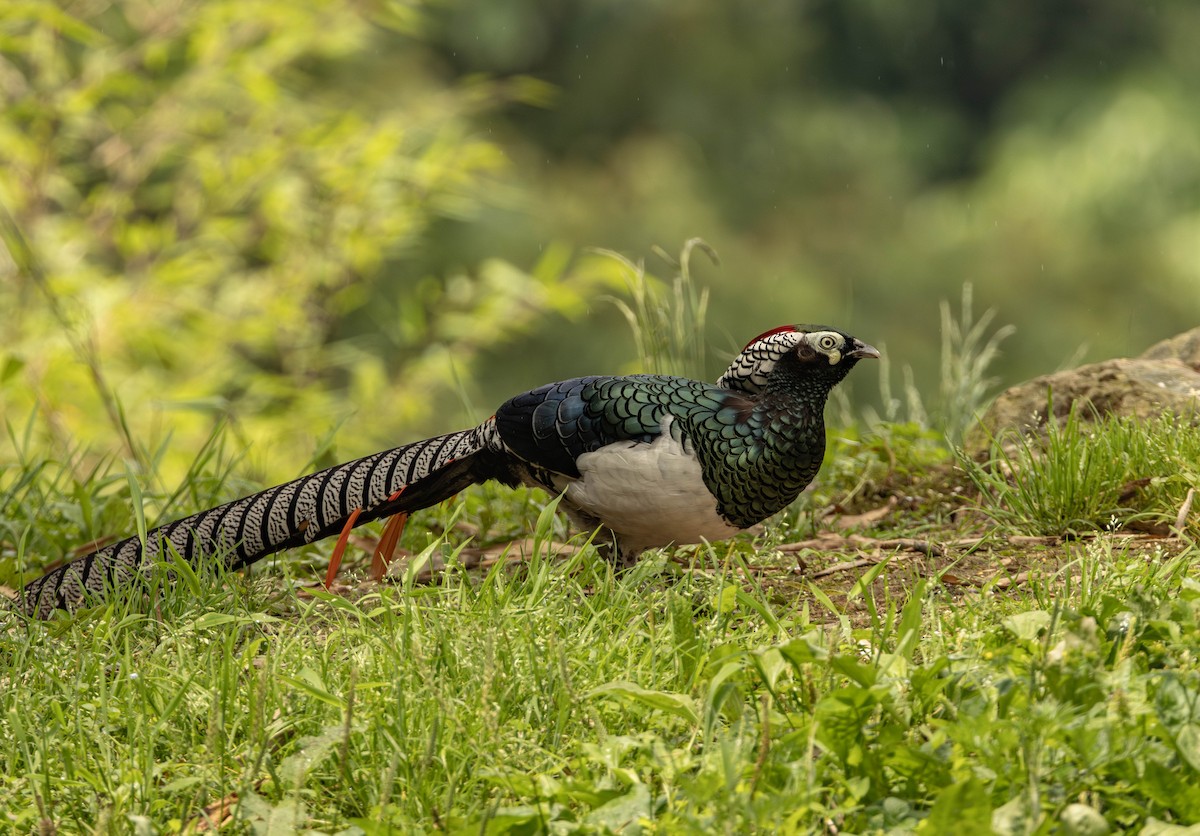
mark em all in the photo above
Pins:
pixel 373 219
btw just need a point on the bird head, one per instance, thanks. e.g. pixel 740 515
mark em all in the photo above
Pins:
pixel 826 351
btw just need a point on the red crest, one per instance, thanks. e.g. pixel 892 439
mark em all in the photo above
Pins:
pixel 780 330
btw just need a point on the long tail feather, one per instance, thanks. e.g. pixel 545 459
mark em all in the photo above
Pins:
pixel 403 479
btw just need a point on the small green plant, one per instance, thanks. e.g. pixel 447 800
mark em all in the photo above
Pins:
pixel 1088 474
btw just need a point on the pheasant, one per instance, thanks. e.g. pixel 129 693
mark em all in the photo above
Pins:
pixel 649 460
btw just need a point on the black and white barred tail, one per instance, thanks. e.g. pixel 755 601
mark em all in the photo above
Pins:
pixel 403 479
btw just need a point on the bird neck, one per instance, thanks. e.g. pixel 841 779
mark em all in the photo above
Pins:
pixel 797 392
pixel 756 462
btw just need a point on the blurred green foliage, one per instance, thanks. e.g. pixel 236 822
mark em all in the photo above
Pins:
pixel 291 215
pixel 857 162
pixel 202 202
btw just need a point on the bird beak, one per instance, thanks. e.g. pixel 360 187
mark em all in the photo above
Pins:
pixel 862 350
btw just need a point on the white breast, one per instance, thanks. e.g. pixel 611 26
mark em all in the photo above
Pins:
pixel 650 495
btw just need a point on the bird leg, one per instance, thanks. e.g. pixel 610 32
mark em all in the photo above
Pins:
pixel 383 552
pixel 335 559
pixel 386 549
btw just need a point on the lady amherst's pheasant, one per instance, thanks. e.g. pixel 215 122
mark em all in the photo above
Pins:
pixel 651 460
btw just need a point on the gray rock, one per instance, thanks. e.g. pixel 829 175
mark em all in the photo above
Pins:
pixel 1166 378
pixel 1184 347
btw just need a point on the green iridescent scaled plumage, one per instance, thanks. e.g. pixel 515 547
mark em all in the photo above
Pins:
pixel 650 459
pixel 756 455
pixel 757 462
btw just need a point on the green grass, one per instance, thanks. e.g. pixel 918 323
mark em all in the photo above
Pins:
pixel 1084 475
pixel 1044 688
pixel 712 692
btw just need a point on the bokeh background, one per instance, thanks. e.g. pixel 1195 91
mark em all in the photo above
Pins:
pixel 375 219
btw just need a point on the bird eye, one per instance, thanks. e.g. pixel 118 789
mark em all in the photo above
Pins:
pixel 827 342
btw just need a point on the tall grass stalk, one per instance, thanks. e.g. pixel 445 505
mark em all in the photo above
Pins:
pixel 667 320
pixel 967 351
